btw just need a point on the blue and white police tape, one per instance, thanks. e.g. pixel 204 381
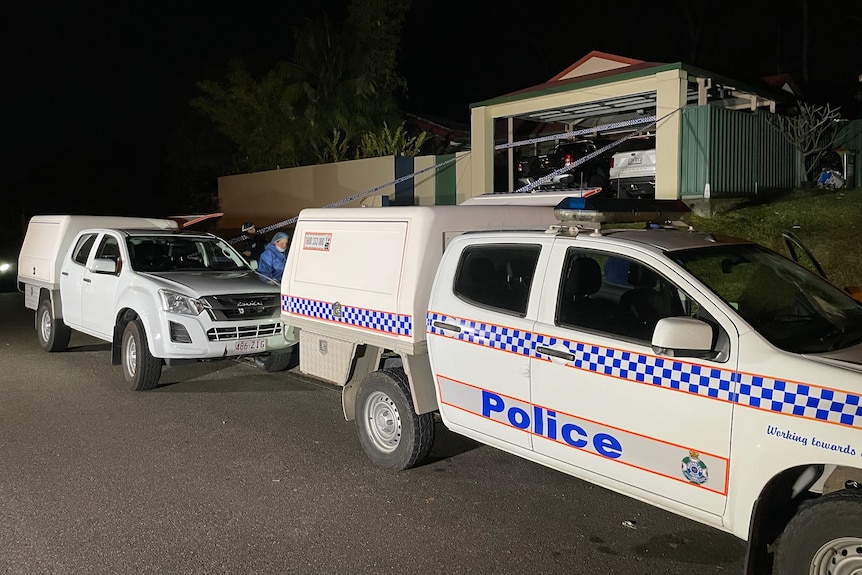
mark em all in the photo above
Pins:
pixel 550 177
pixel 582 132
pixel 353 198
pixel 649 120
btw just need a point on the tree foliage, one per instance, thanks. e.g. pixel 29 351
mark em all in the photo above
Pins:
pixel 340 83
pixel 812 131
pixel 388 142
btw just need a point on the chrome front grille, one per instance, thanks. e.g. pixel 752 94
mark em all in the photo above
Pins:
pixel 242 307
pixel 244 332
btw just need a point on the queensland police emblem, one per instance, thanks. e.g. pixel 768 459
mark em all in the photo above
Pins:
pixel 694 469
pixel 337 309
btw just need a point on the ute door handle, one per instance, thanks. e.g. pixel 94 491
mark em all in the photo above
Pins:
pixel 556 353
pixel 88 280
pixel 61 273
pixel 447 326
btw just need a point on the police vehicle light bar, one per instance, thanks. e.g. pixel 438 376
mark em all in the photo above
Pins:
pixel 599 211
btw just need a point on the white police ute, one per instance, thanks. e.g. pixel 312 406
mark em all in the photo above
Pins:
pixel 706 375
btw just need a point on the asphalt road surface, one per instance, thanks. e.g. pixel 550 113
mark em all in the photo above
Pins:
pixel 226 469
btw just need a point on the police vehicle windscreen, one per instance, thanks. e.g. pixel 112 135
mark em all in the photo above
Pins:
pixel 182 253
pixel 791 307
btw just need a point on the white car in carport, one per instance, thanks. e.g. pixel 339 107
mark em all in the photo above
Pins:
pixel 632 168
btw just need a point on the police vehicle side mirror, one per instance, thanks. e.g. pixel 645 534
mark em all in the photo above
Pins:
pixel 683 337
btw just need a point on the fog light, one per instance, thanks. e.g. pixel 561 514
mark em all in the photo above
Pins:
pixel 179 334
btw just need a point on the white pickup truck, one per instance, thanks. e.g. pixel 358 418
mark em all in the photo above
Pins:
pixel 158 294
pixel 632 168
pixel 708 376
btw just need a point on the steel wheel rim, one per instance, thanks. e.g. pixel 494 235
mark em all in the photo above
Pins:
pixel 45 326
pixel 841 556
pixel 131 356
pixel 384 422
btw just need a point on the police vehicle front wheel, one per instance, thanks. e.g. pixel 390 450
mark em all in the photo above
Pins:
pixel 390 431
pixel 823 537
pixel 141 370
pixel 54 335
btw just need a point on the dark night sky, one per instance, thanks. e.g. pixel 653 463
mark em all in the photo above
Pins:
pixel 92 90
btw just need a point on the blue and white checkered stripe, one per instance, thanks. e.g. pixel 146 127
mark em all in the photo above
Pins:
pixel 800 399
pixel 386 322
pixel 765 393
pixel 486 334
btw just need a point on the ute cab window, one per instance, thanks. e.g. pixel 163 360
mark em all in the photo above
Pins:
pixel 183 254
pixel 612 294
pixel 83 248
pixel 795 310
pixel 497 276
pixel 109 249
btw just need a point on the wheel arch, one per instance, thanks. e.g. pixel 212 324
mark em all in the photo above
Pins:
pixel 51 296
pixel 124 316
pixel 781 498
pixel 369 358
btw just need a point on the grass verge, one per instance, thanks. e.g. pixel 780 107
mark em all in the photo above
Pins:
pixel 828 222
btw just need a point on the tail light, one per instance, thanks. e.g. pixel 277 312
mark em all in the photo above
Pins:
pixel 612 162
pixel 568 159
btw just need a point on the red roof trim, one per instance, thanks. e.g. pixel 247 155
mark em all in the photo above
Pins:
pixel 579 79
pixel 597 54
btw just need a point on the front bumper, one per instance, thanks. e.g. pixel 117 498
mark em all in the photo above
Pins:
pixel 182 337
pixel 633 187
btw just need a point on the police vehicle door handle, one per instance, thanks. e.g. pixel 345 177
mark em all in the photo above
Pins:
pixel 88 280
pixel 447 326
pixel 556 353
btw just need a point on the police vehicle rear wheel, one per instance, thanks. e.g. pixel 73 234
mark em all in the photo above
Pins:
pixel 824 537
pixel 54 335
pixel 390 431
pixel 141 370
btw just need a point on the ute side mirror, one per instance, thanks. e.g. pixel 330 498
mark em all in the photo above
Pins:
pixel 683 337
pixel 105 266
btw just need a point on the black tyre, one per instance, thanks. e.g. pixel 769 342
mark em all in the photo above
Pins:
pixel 140 368
pixel 272 362
pixel 54 335
pixel 823 537
pixel 390 431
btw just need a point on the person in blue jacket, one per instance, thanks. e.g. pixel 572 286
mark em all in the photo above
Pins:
pixel 270 267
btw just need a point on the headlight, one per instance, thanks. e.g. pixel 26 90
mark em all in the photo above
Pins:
pixel 5 267
pixel 174 302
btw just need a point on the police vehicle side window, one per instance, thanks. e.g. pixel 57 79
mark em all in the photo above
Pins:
pixel 83 247
pixel 616 295
pixel 497 276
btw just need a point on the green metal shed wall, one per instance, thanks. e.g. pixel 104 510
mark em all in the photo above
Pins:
pixel 852 140
pixel 726 153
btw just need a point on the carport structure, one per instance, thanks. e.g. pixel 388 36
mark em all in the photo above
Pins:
pixel 600 89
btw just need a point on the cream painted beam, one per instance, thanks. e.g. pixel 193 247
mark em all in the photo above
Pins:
pixel 510 155
pixel 671 87
pixel 481 150
pixel 573 97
